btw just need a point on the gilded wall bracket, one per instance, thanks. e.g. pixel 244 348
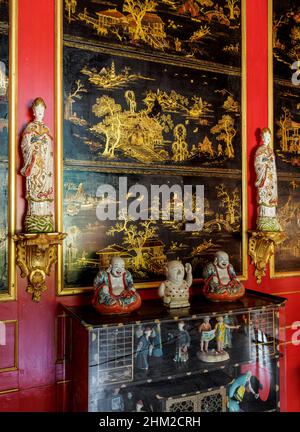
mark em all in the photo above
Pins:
pixel 261 249
pixel 35 255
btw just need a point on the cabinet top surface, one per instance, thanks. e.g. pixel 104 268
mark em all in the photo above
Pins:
pixel 154 310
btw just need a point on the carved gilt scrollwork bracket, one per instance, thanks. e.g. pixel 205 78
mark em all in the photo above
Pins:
pixel 261 249
pixel 35 255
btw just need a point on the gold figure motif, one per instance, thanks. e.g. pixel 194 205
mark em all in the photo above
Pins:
pixel 233 49
pixel 180 146
pixel 261 249
pixel 35 255
pixel 206 147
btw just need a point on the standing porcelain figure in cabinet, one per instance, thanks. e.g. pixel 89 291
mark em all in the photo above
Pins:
pixel 175 289
pixel 183 342
pixel 266 183
pixel 38 169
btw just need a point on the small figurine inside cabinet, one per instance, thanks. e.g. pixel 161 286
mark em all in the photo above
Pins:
pixel 139 407
pixel 115 400
pixel 221 336
pixel 206 334
pixel 144 348
pixel 175 289
pixel 114 290
pixel 238 389
pixel 221 282
pixel 183 341
pixel 156 341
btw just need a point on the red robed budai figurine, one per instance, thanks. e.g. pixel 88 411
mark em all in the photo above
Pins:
pixel 114 290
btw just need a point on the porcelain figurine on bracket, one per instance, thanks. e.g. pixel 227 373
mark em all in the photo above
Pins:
pixel 175 289
pixel 38 170
pixel 114 290
pixel 144 350
pixel 266 183
pixel 220 280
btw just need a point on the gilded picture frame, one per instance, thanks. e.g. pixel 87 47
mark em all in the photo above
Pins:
pixel 283 119
pixel 8 158
pixel 113 167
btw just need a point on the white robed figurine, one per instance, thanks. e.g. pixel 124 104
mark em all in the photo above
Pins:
pixel 38 169
pixel 266 183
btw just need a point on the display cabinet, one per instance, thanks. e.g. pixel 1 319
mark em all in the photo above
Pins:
pixel 155 359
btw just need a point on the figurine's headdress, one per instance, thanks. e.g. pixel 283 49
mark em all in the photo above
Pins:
pixel 265 130
pixel 38 101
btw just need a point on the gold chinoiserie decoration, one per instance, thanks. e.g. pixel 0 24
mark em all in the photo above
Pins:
pixel 261 249
pixel 35 255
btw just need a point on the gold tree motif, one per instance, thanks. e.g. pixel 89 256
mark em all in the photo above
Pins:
pixel 70 7
pixel 138 9
pixel 135 236
pixel 234 10
pixel 231 203
pixel 111 126
pixel 284 123
pixel 276 25
pixel 70 99
pixel 225 129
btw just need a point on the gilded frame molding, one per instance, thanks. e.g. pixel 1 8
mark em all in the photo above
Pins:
pixel 16 347
pixel 11 294
pixel 273 273
pixel 59 153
